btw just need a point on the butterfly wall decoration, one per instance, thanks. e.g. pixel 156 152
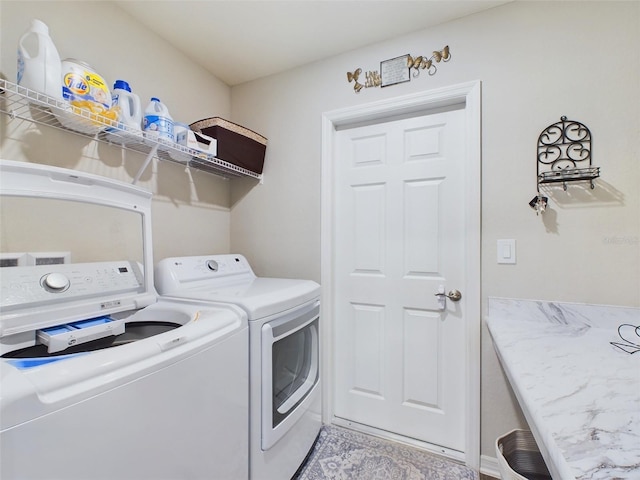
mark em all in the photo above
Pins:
pixel 354 77
pixel 424 63
pixel 399 73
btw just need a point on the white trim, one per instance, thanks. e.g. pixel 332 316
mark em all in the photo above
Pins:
pixel 470 95
pixel 376 432
pixel 489 466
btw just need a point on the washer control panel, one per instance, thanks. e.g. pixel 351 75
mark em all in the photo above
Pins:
pixel 25 286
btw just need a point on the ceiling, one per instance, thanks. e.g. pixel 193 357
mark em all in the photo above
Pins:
pixel 241 40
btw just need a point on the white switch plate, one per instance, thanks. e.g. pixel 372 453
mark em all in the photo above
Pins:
pixel 507 251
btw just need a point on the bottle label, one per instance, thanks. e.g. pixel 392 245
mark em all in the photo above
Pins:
pixel 157 125
pixel 86 87
pixel 20 66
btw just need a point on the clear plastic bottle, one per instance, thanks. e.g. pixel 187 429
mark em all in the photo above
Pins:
pixel 39 65
pixel 158 124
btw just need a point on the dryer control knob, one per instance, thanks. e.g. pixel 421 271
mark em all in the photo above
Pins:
pixel 55 282
pixel 212 265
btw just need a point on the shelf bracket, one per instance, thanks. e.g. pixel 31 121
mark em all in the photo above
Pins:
pixel 146 163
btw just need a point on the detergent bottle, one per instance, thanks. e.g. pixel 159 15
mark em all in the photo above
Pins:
pixel 39 65
pixel 128 106
pixel 83 87
pixel 158 124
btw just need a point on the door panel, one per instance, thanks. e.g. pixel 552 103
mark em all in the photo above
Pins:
pixel 421 387
pixel 399 237
pixel 368 323
pixel 421 227
pixel 369 228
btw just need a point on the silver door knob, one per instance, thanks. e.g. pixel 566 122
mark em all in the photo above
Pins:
pixel 453 295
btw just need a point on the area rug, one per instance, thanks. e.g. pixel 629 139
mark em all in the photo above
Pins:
pixel 341 454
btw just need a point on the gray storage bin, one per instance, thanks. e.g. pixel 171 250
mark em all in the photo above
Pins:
pixel 519 457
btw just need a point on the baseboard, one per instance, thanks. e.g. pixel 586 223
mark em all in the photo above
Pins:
pixel 384 434
pixel 489 466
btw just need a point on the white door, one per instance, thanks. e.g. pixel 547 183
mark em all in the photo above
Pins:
pixel 400 361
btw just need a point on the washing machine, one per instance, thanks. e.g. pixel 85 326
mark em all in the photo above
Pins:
pixel 100 378
pixel 284 321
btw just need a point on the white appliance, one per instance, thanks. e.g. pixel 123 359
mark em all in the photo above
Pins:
pixel 100 379
pixel 284 320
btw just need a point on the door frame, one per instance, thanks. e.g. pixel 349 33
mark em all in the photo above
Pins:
pixel 469 95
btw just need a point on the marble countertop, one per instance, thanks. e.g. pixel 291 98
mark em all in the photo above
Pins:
pixel 579 393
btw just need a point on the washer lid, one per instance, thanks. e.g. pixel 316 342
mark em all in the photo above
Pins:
pixel 103 225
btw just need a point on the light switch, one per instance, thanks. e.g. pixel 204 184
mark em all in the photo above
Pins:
pixel 507 251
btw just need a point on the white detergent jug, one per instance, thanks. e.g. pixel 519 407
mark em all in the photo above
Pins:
pixel 158 124
pixel 128 104
pixel 39 65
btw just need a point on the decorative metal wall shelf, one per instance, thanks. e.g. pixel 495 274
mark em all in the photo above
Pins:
pixel 22 103
pixel 563 156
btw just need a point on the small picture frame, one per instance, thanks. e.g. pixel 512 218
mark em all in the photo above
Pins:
pixel 394 71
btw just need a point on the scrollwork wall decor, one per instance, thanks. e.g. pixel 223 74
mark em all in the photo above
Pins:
pixel 563 156
pixel 398 70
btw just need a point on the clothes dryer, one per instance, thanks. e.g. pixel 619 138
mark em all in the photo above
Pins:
pixel 100 379
pixel 284 321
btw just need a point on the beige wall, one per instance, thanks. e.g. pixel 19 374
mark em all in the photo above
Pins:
pixel 190 211
pixel 537 61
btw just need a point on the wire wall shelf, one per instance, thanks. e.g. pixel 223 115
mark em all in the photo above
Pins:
pixel 25 104
pixel 570 175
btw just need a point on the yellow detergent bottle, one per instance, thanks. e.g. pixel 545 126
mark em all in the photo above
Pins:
pixel 87 93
